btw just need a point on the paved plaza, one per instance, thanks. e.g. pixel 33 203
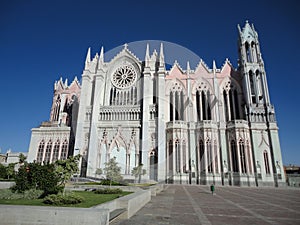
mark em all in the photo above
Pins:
pixel 180 204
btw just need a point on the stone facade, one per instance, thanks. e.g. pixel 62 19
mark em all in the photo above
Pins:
pixel 203 125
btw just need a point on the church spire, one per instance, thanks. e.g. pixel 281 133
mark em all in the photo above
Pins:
pixel 101 57
pixel 88 56
pixel 147 56
pixel 161 56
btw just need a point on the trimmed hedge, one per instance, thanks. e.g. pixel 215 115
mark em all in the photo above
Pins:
pixel 109 191
pixel 66 199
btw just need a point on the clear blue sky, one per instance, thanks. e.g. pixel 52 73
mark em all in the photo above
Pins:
pixel 43 40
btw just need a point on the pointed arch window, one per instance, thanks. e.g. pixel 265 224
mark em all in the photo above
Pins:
pixel 216 156
pixel 266 161
pixel 170 156
pixel 234 158
pixel 209 156
pixel 248 52
pixel 201 154
pixel 64 150
pixel 203 105
pixel 56 151
pixel 242 157
pixel 40 153
pixel 178 158
pixel 184 156
pixel 48 152
pixel 248 157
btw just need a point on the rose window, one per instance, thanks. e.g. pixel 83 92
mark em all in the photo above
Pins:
pixel 124 77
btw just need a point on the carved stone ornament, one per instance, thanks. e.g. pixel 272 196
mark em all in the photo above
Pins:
pixel 124 77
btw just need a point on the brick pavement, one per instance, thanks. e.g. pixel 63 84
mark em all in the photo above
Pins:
pixel 191 204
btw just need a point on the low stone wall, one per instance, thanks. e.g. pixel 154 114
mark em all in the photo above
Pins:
pixel 6 184
pixel 131 203
pixel 44 215
pixel 134 202
pixel 155 189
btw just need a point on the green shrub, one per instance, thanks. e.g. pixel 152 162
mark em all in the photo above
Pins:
pixel 37 176
pixel 113 183
pixel 60 199
pixel 28 194
pixel 33 194
pixel 109 191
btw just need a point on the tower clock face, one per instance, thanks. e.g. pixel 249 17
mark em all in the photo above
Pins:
pixel 124 77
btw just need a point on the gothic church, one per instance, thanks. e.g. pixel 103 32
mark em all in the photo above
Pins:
pixel 189 126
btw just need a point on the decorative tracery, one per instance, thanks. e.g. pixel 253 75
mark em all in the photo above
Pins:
pixel 124 76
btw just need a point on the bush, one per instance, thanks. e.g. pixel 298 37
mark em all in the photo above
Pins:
pixel 33 194
pixel 109 191
pixel 113 183
pixel 60 199
pixel 28 194
pixel 36 176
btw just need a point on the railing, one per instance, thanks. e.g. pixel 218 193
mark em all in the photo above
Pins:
pixel 110 113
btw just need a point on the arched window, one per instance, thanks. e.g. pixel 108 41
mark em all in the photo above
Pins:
pixel 64 150
pixel 253 52
pixel 209 156
pixel 237 105
pixel 266 160
pixel 198 105
pixel 40 152
pixel 252 86
pixel 171 156
pixel 234 158
pixel 242 157
pixel 248 52
pixel 216 157
pixel 201 154
pixel 249 157
pixel 226 107
pixel 56 151
pixel 171 106
pixel 56 109
pixel 184 156
pixel 48 151
pixel 178 158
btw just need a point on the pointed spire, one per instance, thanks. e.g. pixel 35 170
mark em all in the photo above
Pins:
pixel 188 69
pixel 214 65
pixel 214 68
pixel 101 57
pixel 102 54
pixel 147 56
pixel 161 55
pixel 66 82
pixel 88 56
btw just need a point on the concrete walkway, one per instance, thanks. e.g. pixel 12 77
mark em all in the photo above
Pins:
pixel 180 204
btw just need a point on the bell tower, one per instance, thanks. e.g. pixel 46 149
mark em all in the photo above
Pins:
pixel 259 111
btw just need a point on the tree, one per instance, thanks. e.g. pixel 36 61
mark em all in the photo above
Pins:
pixel 113 171
pixel 138 171
pixel 22 158
pixel 3 171
pixel 10 170
pixel 66 168
pixel 37 176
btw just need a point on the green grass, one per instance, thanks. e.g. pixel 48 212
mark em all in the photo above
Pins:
pixel 90 199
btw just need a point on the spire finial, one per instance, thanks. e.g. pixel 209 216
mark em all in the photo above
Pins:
pixel 101 58
pixel 147 56
pixel 125 46
pixel 161 55
pixel 214 65
pixel 88 56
